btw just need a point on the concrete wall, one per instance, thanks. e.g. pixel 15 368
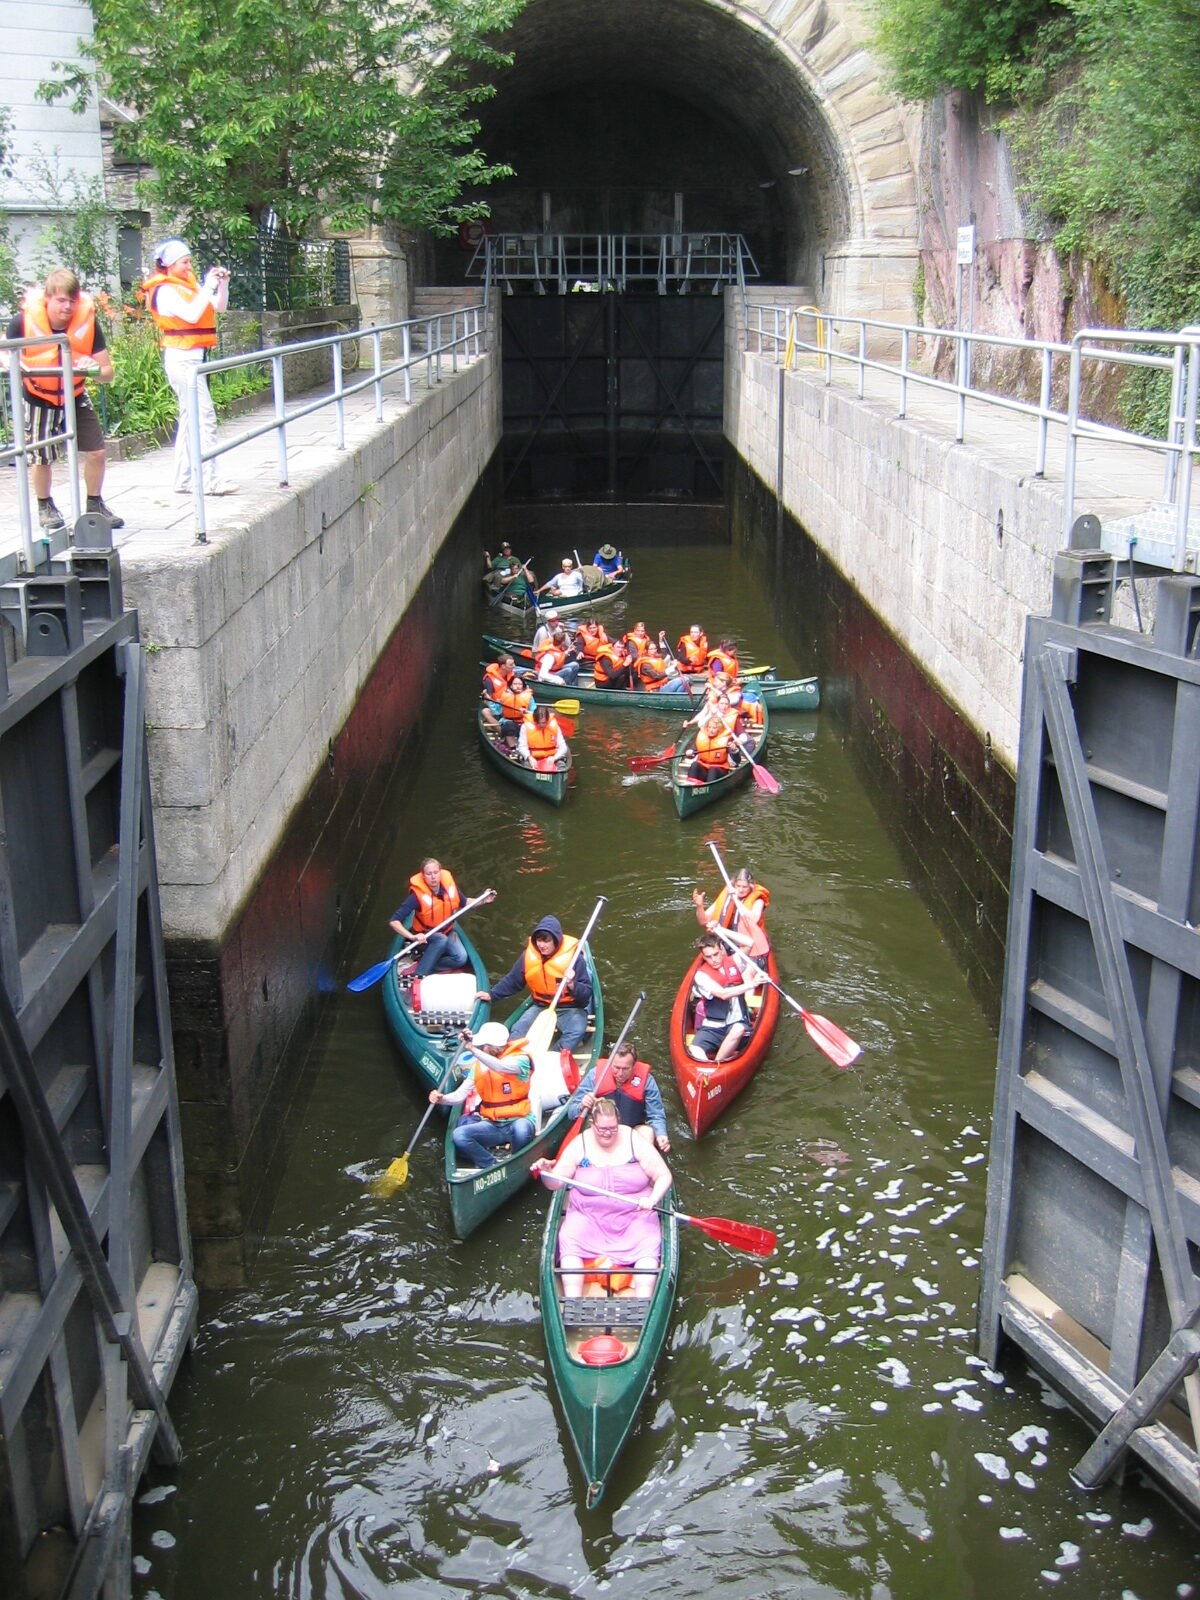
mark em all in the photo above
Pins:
pixel 948 550
pixel 289 662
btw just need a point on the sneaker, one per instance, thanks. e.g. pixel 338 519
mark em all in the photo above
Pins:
pixel 95 503
pixel 49 516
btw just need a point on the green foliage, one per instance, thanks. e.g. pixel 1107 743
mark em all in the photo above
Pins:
pixel 313 110
pixel 139 399
pixel 932 46
pixel 82 231
pixel 10 283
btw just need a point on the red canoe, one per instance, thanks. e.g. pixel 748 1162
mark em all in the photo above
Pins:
pixel 705 1087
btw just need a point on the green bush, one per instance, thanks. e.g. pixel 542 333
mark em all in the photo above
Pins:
pixel 932 46
pixel 139 399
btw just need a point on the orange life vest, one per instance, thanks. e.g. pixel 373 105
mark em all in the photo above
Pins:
pixel 175 333
pixel 431 910
pixel 638 643
pixel 614 1281
pixel 693 653
pixel 544 977
pixel 543 742
pixel 514 705
pixel 551 659
pixel 722 906
pixel 494 680
pixel 721 661
pixel 81 331
pixel 593 639
pixel 651 671
pixel 753 711
pixel 501 1095
pixel 712 749
pixel 606 665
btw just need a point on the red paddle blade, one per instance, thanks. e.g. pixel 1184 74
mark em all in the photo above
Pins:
pixel 644 763
pixel 764 780
pixel 838 1046
pixel 567 724
pixel 741 1235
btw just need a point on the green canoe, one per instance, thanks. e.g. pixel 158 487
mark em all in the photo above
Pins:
pixel 601 1402
pixel 565 608
pixel 474 1196
pixel 551 786
pixel 426 1024
pixel 691 796
pixel 777 694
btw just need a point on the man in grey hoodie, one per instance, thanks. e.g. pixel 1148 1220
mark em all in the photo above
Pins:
pixel 549 955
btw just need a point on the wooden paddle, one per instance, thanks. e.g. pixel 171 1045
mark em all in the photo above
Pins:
pixel 396 1175
pixel 741 1235
pixel 541 1033
pixel 596 1090
pixel 369 978
pixel 827 1036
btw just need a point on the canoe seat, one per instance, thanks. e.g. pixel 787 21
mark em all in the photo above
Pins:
pixel 597 1313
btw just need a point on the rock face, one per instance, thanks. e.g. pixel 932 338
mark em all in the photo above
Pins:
pixel 1022 286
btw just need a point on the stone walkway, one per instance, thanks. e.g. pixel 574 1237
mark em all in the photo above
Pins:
pixel 159 521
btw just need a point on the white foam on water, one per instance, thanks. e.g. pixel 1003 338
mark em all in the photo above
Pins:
pixel 925 1287
pixel 948 1385
pixel 1024 1480
pixel 1013 1533
pixel 1069 1556
pixel 1024 1437
pixel 855 1331
pixel 1138 1530
pixel 932 1405
pixel 152 1497
pixel 1098 1517
pixel 162 1540
pixel 966 1402
pixel 897 1371
pixel 996 1465
pixel 892 1192
pixel 879 1405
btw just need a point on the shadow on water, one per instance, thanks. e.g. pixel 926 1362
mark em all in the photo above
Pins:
pixel 372 1417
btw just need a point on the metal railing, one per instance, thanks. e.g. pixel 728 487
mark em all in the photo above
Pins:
pixel 779 331
pixel 447 336
pixel 564 263
pixel 22 448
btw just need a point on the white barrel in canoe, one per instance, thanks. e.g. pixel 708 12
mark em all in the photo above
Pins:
pixel 445 997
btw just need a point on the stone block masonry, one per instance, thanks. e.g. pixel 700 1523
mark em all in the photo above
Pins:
pixel 291 661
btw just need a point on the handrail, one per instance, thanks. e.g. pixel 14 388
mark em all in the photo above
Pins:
pixel 22 447
pixel 605 261
pixel 773 329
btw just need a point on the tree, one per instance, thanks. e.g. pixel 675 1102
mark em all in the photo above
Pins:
pixel 310 110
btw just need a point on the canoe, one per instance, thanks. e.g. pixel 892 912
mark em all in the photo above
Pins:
pixel 705 1087
pixel 777 694
pixel 474 1196
pixel 691 796
pixel 600 1402
pixel 426 1017
pixel 551 786
pixel 565 608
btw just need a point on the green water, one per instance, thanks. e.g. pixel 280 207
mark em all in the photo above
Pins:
pixel 373 1416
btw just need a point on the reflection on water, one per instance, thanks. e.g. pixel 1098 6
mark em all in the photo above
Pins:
pixel 374 1417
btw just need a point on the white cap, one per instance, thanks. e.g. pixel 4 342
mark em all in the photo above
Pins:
pixel 171 251
pixel 551 615
pixel 492 1033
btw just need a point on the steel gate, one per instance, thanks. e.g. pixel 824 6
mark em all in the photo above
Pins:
pixel 97 1302
pixel 1093 1211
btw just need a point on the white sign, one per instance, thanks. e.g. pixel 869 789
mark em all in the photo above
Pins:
pixel 965 247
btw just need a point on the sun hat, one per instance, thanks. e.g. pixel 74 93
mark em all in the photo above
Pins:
pixel 607 551
pixel 171 251
pixel 494 1033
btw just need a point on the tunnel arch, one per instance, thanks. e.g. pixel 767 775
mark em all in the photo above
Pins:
pixel 766 117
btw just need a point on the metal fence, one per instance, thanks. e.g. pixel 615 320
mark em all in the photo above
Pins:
pixel 275 273
pixel 855 342
pixel 564 263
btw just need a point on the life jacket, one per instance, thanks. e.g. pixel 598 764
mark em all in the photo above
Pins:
pixel 594 639
pixel 432 909
pixel 722 906
pixel 494 680
pixel 651 671
pixel 543 742
pixel 544 977
pixel 716 1010
pixel 606 666
pixel 712 749
pixel 693 653
pixel 638 643
pixel 515 706
pixel 721 661
pixel 501 1095
pixel 552 659
pixel 80 331
pixel 753 711
pixel 630 1096
pixel 176 334
pixel 613 1281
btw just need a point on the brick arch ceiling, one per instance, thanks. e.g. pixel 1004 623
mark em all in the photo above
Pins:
pixel 792 77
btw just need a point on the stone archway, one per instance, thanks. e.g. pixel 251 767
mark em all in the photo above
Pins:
pixel 765 117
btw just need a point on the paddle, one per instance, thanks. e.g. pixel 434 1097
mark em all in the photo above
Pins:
pixel 827 1036
pixel 671 656
pixel 741 1235
pixel 541 1033
pixel 369 978
pixel 596 1090
pixel 645 763
pixel 521 571
pixel 396 1175
pixel 756 672
pixel 762 777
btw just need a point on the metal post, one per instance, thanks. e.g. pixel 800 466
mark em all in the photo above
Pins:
pixel 454 341
pixel 280 414
pixel 1043 413
pixel 68 383
pixel 1070 461
pixel 862 356
pixel 377 368
pixel 406 357
pixel 1174 425
pixel 191 396
pixel 904 372
pixel 1184 498
pixel 22 439
pixel 439 349
pixel 339 404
